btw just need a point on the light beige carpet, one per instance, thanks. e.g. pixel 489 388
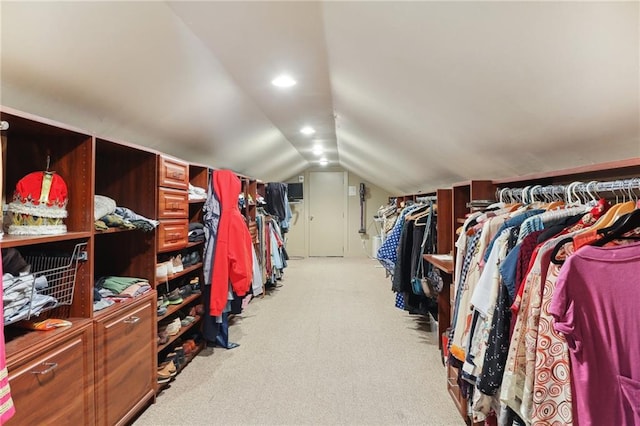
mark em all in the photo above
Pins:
pixel 326 348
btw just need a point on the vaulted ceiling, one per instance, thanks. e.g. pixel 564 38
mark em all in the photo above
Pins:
pixel 409 95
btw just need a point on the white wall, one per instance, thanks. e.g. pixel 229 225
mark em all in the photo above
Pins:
pixel 356 244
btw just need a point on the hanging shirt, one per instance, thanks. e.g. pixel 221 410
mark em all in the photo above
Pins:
pixel 595 305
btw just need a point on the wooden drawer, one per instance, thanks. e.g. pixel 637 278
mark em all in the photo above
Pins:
pixel 55 387
pixel 173 173
pixel 125 361
pixel 172 204
pixel 172 234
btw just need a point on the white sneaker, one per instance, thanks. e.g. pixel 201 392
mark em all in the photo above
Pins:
pixel 176 262
pixel 161 271
pixel 169 264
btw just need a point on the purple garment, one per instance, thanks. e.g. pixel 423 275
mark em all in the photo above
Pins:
pixel 595 305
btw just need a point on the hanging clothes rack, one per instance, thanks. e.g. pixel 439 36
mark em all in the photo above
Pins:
pixel 592 189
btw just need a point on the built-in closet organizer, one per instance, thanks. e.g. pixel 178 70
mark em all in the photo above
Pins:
pixel 125 333
pixel 174 213
pixel 460 196
pixel 53 368
pixel 463 194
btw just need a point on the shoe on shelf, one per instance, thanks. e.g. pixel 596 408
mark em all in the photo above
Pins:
pixel 163 336
pixel 173 328
pixel 173 358
pixel 180 355
pixel 174 297
pixel 163 301
pixel 176 262
pixel 161 271
pixel 186 321
pixel 170 270
pixel 186 259
pixel 163 376
pixel 167 368
pixel 195 284
pixel 199 309
pixel 185 291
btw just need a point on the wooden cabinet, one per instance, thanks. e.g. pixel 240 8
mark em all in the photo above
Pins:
pixel 173 173
pixel 53 383
pixel 125 360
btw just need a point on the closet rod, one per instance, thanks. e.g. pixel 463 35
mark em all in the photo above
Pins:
pixel 589 188
pixel 426 198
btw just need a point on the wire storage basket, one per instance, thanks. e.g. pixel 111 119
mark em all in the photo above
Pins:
pixel 50 284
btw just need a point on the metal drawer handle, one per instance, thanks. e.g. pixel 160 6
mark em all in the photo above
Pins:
pixel 50 367
pixel 131 320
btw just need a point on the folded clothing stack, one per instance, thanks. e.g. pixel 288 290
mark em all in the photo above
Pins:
pixel 108 215
pixel 196 232
pixel 119 288
pixel 197 193
pixel 21 298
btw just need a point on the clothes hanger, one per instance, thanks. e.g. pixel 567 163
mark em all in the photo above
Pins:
pixel 623 225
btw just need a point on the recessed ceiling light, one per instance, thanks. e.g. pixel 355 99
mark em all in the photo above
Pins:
pixel 324 162
pixel 307 130
pixel 283 80
pixel 317 150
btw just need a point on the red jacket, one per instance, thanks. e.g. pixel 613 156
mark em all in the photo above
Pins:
pixel 233 260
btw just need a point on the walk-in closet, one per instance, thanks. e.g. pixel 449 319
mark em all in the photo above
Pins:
pixel 320 213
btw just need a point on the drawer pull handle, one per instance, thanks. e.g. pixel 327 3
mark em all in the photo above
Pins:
pixel 131 320
pixel 50 367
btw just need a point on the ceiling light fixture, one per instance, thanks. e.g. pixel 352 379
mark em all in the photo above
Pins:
pixel 283 80
pixel 307 130
pixel 317 150
pixel 324 162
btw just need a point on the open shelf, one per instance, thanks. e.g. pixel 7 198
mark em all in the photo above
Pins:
pixel 179 274
pixel 195 243
pixel 171 309
pixel 444 262
pixel 26 240
pixel 188 359
pixel 182 331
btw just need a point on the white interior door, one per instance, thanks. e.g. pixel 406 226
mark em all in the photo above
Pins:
pixel 326 213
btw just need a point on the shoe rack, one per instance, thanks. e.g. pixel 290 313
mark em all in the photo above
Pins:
pixel 175 212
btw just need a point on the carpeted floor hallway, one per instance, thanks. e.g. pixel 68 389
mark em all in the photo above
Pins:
pixel 328 347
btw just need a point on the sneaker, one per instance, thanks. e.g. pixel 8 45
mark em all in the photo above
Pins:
pixel 176 262
pixel 169 264
pixel 163 336
pixel 173 328
pixel 168 367
pixel 185 291
pixel 186 321
pixel 174 297
pixel 161 271
pixel 195 284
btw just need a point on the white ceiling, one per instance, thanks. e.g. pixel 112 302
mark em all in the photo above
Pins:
pixel 408 95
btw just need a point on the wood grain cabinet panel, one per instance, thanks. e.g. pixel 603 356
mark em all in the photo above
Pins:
pixel 172 204
pixel 172 234
pixel 56 386
pixel 125 355
pixel 173 173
